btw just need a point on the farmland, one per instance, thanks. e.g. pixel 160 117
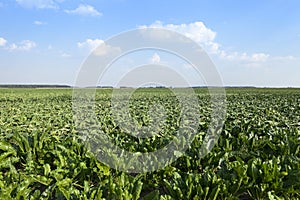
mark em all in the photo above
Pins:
pixel 256 157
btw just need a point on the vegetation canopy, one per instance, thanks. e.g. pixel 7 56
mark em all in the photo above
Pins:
pixel 256 157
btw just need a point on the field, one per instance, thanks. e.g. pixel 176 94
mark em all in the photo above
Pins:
pixel 256 157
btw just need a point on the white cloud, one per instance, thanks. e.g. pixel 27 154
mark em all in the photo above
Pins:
pixel 66 55
pixel 236 56
pixel 25 45
pixel 285 58
pixel 2 42
pixel 106 50
pixel 205 37
pixel 259 57
pixel 98 47
pixel 85 10
pixel 90 44
pixel 197 31
pixel 40 4
pixel 39 23
pixel 155 58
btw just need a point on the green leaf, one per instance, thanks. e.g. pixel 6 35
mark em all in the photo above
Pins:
pixel 154 195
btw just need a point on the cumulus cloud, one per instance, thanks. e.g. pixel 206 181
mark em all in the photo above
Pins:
pixel 85 10
pixel 25 45
pixel 205 37
pixel 98 47
pixel 2 42
pixel 40 4
pixel 39 23
pixel 105 49
pixel 155 58
pixel 90 44
pixel 197 31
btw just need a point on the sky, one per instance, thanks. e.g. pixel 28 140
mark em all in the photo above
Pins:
pixel 251 43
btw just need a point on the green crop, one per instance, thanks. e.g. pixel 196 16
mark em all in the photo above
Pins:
pixel 257 156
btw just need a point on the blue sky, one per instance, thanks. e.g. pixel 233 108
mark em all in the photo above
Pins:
pixel 251 42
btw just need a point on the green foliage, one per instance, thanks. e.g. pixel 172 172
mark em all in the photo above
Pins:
pixel 256 157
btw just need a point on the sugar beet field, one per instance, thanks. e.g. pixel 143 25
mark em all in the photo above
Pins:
pixel 256 157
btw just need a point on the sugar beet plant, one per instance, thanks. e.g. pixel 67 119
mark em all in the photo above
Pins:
pixel 256 157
